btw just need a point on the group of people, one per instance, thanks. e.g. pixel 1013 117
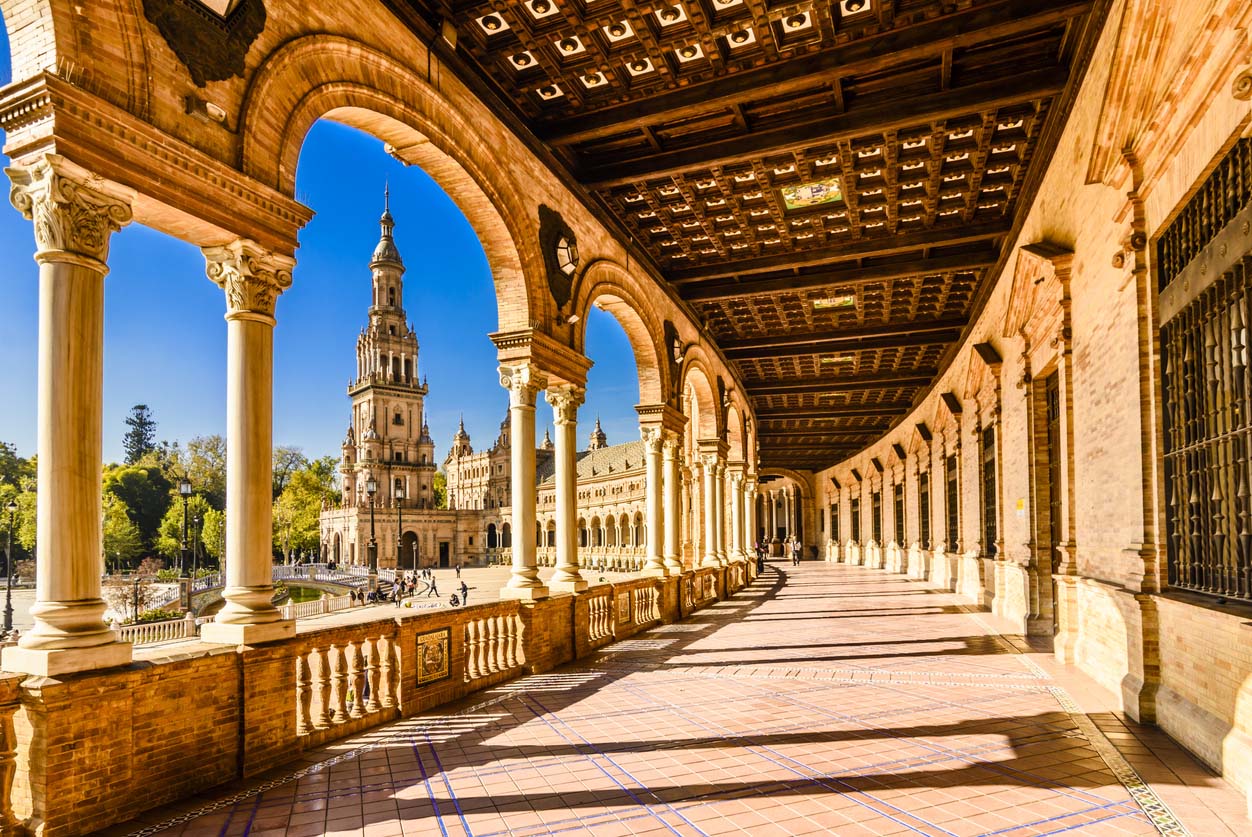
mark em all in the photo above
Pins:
pixel 791 548
pixel 407 585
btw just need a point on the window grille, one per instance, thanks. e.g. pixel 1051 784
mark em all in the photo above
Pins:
pixel 1224 194
pixel 990 529
pixel 923 509
pixel 834 522
pixel 877 516
pixel 856 519
pixel 953 506
pixel 899 513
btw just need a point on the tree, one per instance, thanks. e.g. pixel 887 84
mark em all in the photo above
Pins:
pixel 169 539
pixel 204 463
pixel 144 492
pixel 298 508
pixel 287 460
pixel 14 470
pixel 141 437
pixel 213 533
pixel 122 540
pixel 439 490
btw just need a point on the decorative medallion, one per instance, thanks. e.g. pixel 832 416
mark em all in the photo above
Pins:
pixel 560 254
pixel 813 193
pixel 432 656
pixel 211 40
pixel 623 606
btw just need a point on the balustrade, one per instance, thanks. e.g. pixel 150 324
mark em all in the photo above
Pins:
pixel 600 619
pixel 644 600
pixel 492 644
pixel 345 679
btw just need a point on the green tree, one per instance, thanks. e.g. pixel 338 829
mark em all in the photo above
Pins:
pixel 204 463
pixel 144 492
pixel 297 509
pixel 439 488
pixel 169 538
pixel 14 470
pixel 122 540
pixel 287 460
pixel 213 534
pixel 141 437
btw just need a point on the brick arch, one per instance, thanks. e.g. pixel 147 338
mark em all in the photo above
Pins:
pixel 736 435
pixel 613 289
pixel 326 76
pixel 697 375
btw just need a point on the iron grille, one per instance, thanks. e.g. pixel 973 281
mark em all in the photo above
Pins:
pixel 834 522
pixel 1226 191
pixel 953 506
pixel 856 519
pixel 923 508
pixel 1209 439
pixel 899 513
pixel 877 517
pixel 990 531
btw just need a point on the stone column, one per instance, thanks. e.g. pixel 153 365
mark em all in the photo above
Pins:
pixel 74 215
pixel 653 515
pixel 736 516
pixel 772 515
pixel 670 479
pixel 719 503
pixel 523 383
pixel 252 279
pixel 565 401
pixel 708 500
pixel 750 522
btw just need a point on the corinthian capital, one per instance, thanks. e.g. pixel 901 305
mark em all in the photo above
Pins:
pixel 523 382
pixel 565 401
pixel 251 276
pixel 73 210
pixel 672 445
pixel 652 439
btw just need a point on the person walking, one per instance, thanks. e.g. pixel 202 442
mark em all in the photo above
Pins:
pixel 795 551
pixel 458 573
pixel 464 593
pixel 433 590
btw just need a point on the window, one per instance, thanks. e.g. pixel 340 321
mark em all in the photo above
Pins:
pixel 391 300
pixel 953 506
pixel 856 519
pixel 899 512
pixel 923 509
pixel 399 456
pixel 876 518
pixel 990 529
pixel 397 419
pixel 567 255
pixel 834 522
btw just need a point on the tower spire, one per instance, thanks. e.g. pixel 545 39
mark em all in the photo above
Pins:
pixel 386 251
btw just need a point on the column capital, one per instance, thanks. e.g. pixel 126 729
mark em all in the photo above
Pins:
pixel 564 399
pixel 653 439
pixel 709 461
pixel 74 211
pixel 671 446
pixel 251 276
pixel 524 382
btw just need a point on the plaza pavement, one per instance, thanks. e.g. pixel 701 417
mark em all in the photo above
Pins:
pixel 823 699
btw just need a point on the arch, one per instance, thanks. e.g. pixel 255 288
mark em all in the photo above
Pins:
pixel 597 532
pixel 337 78
pixel 336 548
pixel 583 540
pixel 735 435
pixel 698 384
pixel 506 536
pixel 410 552
pixel 493 540
pixel 638 528
pixel 608 286
pixel 550 533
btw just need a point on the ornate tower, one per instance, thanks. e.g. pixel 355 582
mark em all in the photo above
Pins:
pixel 598 439
pixel 388 437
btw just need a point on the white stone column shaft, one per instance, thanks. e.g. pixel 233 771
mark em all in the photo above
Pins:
pixel 708 501
pixel 736 517
pixel 252 279
pixel 523 383
pixel 749 500
pixel 653 513
pixel 565 402
pixel 671 480
pixel 73 222
pixel 719 503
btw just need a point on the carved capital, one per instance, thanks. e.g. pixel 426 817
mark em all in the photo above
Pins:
pixel 251 276
pixel 672 446
pixel 523 382
pixel 565 401
pixel 652 439
pixel 73 212
pixel 710 461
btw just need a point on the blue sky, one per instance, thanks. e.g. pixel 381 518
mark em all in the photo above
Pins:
pixel 165 339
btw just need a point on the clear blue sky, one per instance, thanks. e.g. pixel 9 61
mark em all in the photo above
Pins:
pixel 165 339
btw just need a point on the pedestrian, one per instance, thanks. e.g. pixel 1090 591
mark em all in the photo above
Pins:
pixel 453 601
pixel 464 593
pixel 795 552
pixel 458 569
pixel 432 590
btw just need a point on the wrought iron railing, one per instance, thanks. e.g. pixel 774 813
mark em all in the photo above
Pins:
pixel 1224 193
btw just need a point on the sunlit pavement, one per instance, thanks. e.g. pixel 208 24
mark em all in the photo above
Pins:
pixel 822 700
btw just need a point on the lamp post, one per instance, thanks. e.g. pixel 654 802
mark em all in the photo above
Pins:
pixel 11 508
pixel 399 492
pixel 184 488
pixel 197 524
pixel 371 488
pixel 136 598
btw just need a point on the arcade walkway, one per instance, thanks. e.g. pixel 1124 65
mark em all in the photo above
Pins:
pixel 823 699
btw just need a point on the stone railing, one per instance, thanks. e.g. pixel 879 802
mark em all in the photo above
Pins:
pixel 492 644
pixel 316 607
pixel 150 633
pixel 348 679
pixel 220 718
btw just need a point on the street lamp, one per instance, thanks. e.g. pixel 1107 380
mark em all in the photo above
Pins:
pixel 184 488
pixel 399 526
pixel 11 508
pixel 198 525
pixel 371 488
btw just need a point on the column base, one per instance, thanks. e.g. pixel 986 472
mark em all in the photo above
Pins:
pixel 50 662
pixel 526 594
pixel 657 572
pixel 226 633
pixel 565 586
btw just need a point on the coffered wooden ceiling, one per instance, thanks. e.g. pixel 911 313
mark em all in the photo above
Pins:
pixel 828 184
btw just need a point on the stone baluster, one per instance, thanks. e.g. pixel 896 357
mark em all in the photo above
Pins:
pixel 321 688
pixel 510 623
pixel 74 215
pixel 356 679
pixel 252 279
pixel 304 696
pixel 8 767
pixel 471 650
pixel 371 674
pixel 338 685
pixel 386 672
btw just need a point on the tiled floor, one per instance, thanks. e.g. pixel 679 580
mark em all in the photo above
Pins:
pixel 822 700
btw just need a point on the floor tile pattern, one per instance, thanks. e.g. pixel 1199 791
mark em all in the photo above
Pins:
pixel 824 699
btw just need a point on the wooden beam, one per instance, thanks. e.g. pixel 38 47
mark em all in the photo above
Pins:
pixel 902 45
pixel 878 337
pixel 808 386
pixel 857 121
pixel 866 247
pixel 839 276
pixel 885 411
